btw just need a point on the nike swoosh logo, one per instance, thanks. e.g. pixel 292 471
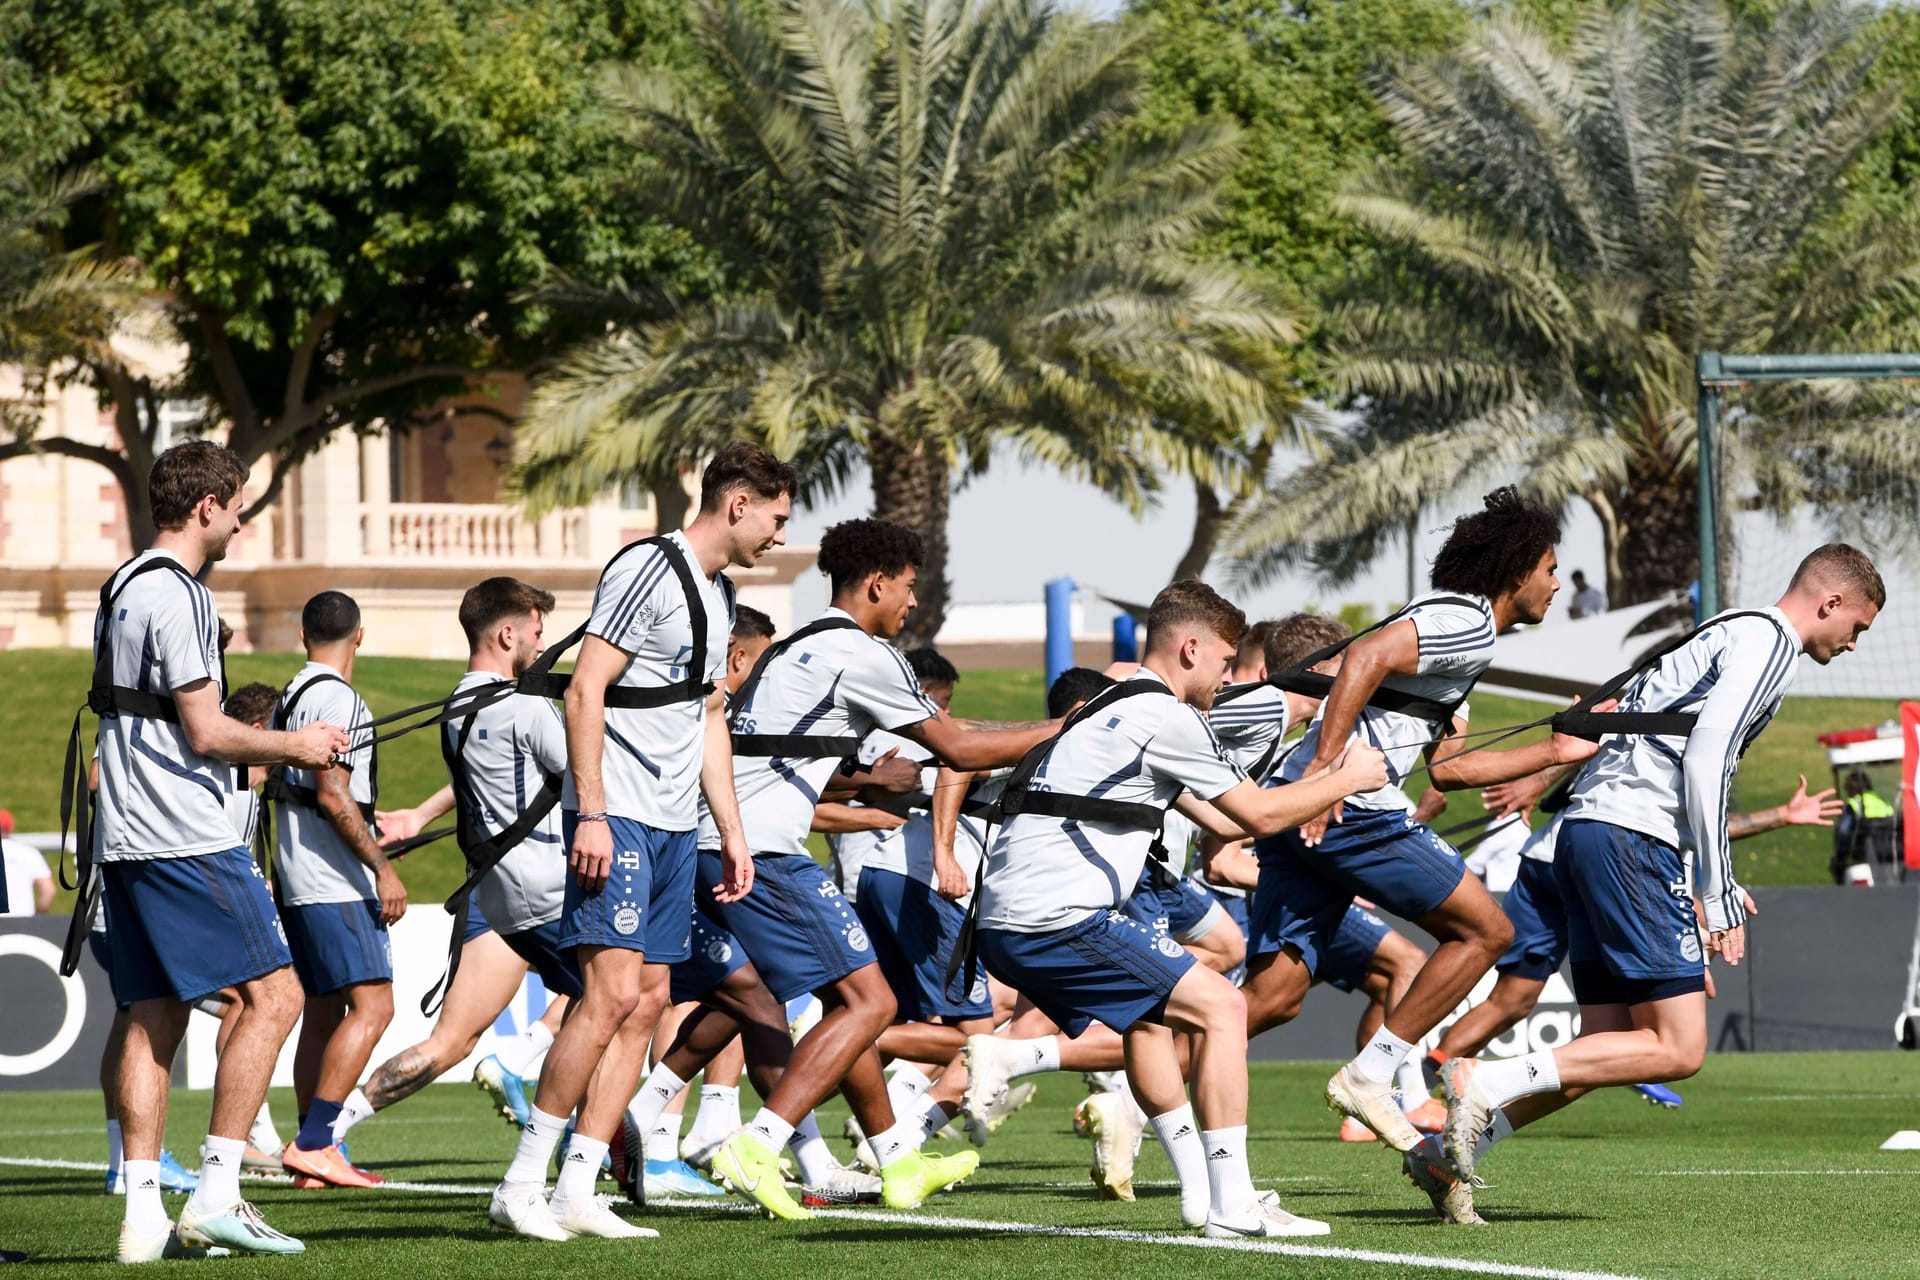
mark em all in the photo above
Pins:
pixel 1239 1231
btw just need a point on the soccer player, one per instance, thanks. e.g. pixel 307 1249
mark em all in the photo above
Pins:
pixel 1052 888
pixel 338 894
pixel 656 635
pixel 1639 968
pixel 834 680
pixel 911 903
pixel 190 911
pixel 1251 719
pixel 1495 569
pixel 1540 920
pixel 507 755
pixel 853 850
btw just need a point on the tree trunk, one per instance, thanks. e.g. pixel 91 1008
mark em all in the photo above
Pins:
pixel 911 487
pixel 1209 518
pixel 135 416
pixel 1658 548
pixel 670 503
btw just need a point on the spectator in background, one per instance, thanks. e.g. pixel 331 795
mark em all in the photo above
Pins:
pixel 1588 600
pixel 29 878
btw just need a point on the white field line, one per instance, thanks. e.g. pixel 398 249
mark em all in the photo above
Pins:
pixel 1824 1097
pixel 1784 1173
pixel 1412 1261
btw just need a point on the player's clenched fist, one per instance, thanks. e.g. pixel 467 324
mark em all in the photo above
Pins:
pixel 316 745
pixel 393 895
pixel 592 854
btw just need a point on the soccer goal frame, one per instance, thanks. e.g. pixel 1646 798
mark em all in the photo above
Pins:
pixel 1715 374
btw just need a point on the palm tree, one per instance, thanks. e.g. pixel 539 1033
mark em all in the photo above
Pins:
pixel 1571 225
pixel 944 235
pixel 59 310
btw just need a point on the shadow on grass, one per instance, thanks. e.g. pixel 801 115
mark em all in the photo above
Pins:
pixel 1424 1217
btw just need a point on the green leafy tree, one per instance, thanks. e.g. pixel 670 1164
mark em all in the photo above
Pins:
pixel 59 310
pixel 939 235
pixel 1572 222
pixel 342 202
pixel 1293 76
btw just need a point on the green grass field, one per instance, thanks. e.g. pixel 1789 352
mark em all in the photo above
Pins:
pixel 45 685
pixel 1771 1168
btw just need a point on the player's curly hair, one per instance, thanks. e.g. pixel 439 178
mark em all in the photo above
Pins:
pixel 1492 551
pixel 853 549
pixel 932 666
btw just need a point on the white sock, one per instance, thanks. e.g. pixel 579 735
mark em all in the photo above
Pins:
pixel 1031 1057
pixel 933 1117
pixel 1503 1081
pixel 905 1090
pixel 219 1173
pixel 663 1139
pixel 1179 1136
pixel 580 1170
pixel 660 1088
pixel 770 1129
pixel 355 1109
pixel 1383 1055
pixel 897 1143
pixel 1412 1084
pixel 519 1054
pixel 1499 1129
pixel 144 1212
pixel 1229 1180
pixel 538 1142
pixel 719 1113
pixel 116 1150
pixel 811 1153
pixel 263 1135
pixel 908 1079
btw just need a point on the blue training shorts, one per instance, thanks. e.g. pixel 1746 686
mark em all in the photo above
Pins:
pixel 1109 968
pixel 558 966
pixel 1381 855
pixel 1346 961
pixel 337 945
pixel 914 931
pixel 1631 934
pixel 1182 909
pixel 184 928
pixel 713 957
pixel 476 924
pixel 1539 923
pixel 796 925
pixel 646 905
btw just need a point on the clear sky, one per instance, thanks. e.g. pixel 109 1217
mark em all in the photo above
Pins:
pixel 1015 528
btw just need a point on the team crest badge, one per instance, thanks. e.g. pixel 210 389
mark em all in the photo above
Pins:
pixel 719 951
pixel 625 921
pixel 1690 945
pixel 857 938
pixel 1167 946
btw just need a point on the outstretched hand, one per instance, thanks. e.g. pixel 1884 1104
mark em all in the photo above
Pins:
pixel 1816 810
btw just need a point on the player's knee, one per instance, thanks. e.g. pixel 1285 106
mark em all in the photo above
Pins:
pixel 867 996
pixel 277 998
pixel 1494 933
pixel 1684 1057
